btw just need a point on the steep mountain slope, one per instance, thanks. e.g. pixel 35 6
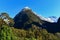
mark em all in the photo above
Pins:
pixel 26 18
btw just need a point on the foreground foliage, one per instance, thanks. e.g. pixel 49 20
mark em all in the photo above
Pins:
pixel 11 33
pixel 34 34
pixel 7 32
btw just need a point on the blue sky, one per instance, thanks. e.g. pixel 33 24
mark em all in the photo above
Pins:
pixel 45 8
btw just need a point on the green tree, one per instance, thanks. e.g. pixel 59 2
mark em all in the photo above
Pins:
pixel 6 33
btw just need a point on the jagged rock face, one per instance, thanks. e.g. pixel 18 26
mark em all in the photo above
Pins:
pixel 25 18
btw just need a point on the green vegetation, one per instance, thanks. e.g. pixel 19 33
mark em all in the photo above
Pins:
pixel 11 33
pixel 7 32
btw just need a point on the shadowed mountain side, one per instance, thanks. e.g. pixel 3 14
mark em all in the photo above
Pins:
pixel 51 27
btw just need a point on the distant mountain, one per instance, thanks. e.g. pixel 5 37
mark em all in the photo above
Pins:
pixel 49 19
pixel 27 19
pixel 54 18
pixel 46 19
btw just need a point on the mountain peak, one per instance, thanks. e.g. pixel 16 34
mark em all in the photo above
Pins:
pixel 26 8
